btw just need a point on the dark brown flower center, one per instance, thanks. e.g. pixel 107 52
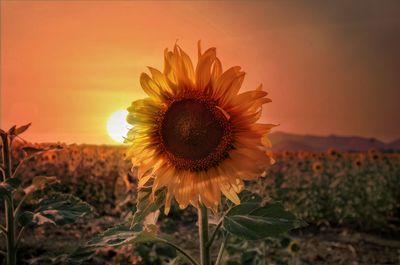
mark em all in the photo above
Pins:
pixel 195 134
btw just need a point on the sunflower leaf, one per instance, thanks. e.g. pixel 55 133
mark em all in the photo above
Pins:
pixel 21 129
pixel 147 207
pixel 113 237
pixel 8 186
pixel 248 196
pixel 146 204
pixel 32 150
pixel 39 182
pixel 11 131
pixel 253 222
pixel 64 208
pixel 48 258
pixel 57 209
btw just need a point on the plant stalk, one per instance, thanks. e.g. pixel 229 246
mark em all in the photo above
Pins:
pixel 6 157
pixel 18 240
pixel 9 204
pixel 221 250
pixel 183 252
pixel 203 235
pixel 11 250
pixel 214 234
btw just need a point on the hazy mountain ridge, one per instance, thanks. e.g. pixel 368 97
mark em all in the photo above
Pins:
pixel 395 144
pixel 282 141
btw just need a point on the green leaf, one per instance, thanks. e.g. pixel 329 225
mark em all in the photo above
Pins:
pixel 13 183
pixel 145 215
pixel 243 209
pixel 253 222
pixel 8 186
pixel 113 237
pixel 48 259
pixel 248 196
pixel 232 262
pixel 146 205
pixel 40 182
pixel 248 257
pixel 29 150
pixel 21 129
pixel 27 218
pixel 32 151
pixel 174 261
pixel 57 209
pixel 64 208
pixel 165 251
pixel 11 131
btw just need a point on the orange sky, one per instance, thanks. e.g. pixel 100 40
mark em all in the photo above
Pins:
pixel 329 68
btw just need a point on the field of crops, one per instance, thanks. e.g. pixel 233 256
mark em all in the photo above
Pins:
pixel 350 201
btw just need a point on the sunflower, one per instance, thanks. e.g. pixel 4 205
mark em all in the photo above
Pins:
pixel 317 167
pixel 195 134
pixel 294 247
pixel 358 162
pixel 332 153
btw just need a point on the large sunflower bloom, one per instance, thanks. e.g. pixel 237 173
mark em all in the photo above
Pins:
pixel 195 134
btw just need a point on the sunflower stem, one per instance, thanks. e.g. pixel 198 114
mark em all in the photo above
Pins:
pixel 203 234
pixel 221 250
pixel 183 252
pixel 11 250
pixel 9 203
pixel 214 234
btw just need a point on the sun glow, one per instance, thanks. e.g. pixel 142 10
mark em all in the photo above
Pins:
pixel 117 126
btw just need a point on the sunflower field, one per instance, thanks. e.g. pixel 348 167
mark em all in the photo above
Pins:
pixel 349 203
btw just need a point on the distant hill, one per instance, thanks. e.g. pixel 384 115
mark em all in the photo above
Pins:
pixel 293 142
pixel 395 145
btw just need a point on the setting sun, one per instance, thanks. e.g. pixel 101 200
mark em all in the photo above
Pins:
pixel 117 126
